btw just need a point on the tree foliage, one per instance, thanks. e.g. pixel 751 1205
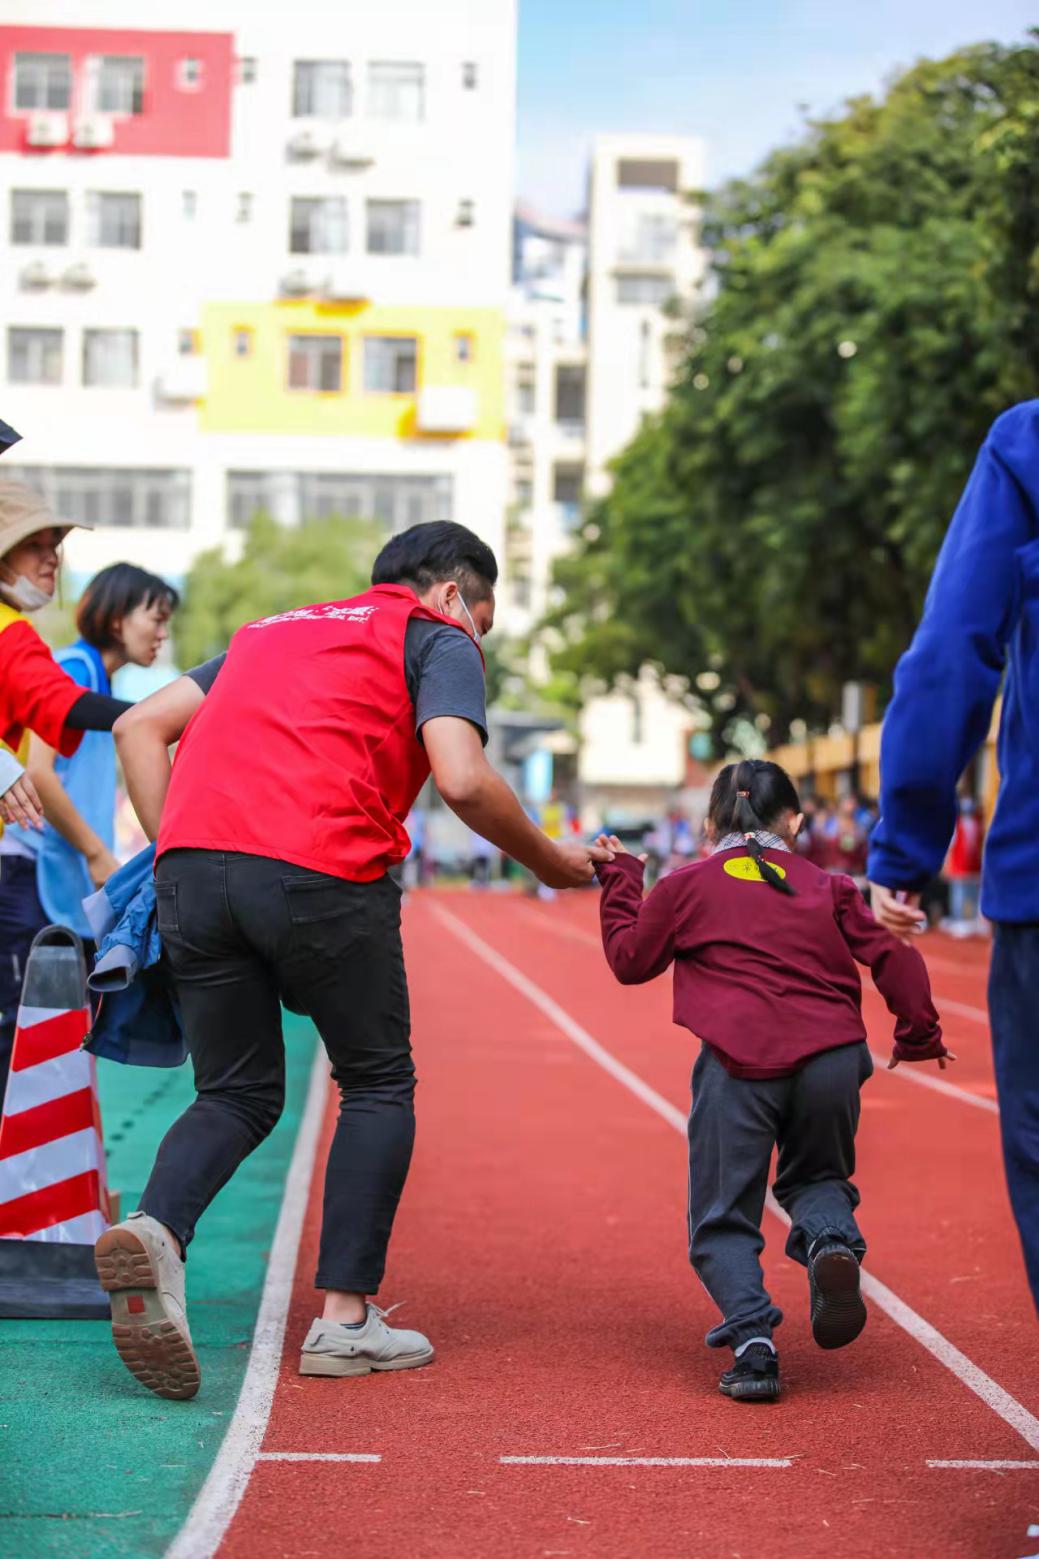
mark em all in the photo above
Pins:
pixel 872 307
pixel 280 567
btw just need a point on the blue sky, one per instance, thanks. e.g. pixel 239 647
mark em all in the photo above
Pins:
pixel 734 73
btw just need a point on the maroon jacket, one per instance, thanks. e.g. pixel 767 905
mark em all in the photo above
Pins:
pixel 767 980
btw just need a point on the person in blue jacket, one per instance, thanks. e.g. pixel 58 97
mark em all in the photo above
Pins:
pixel 980 621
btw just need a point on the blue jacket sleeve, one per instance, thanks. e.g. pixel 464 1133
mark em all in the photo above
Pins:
pixel 946 682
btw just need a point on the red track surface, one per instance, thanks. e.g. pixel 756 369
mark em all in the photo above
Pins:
pixel 541 1244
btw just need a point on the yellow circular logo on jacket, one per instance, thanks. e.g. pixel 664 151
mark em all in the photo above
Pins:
pixel 745 868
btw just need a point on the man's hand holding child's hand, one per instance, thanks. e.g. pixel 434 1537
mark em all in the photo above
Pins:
pixel 612 843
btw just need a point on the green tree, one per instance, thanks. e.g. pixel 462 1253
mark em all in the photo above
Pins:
pixel 873 307
pixel 280 567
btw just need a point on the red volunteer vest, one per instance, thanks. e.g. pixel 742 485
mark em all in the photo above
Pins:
pixel 305 748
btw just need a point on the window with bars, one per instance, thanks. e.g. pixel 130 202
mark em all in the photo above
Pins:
pixel 396 90
pixel 113 495
pixel 315 363
pixel 650 238
pixel 113 220
pixel 39 216
pixel 318 224
pixel 393 226
pixel 395 501
pixel 322 89
pixel 110 358
pixel 119 85
pixel 645 288
pixel 42 81
pixel 34 354
pixel 390 364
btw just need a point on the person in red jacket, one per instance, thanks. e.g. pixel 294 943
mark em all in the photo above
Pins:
pixel 765 946
pixel 303 751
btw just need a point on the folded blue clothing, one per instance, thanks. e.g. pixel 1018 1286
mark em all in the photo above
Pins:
pixel 137 1020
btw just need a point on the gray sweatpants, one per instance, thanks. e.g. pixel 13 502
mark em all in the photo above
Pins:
pixel 735 1122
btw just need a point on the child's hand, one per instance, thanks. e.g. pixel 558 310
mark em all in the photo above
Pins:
pixel 611 842
pixel 943 1061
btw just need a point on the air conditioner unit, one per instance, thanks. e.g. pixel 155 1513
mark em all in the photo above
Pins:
pixel 94 133
pixel 35 276
pixel 47 129
pixel 446 408
pixel 297 284
pixel 304 145
pixel 344 154
pixel 344 284
pixel 79 277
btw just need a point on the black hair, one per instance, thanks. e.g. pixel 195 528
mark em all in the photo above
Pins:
pixel 750 797
pixel 115 592
pixel 427 554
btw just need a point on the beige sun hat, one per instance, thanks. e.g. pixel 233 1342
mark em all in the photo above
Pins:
pixel 23 512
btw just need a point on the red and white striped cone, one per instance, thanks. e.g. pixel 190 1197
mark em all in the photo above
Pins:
pixel 53 1188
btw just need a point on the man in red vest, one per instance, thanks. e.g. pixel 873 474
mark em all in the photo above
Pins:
pixel 301 753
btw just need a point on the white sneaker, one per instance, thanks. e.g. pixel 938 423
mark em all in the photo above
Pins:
pixel 333 1349
pixel 140 1267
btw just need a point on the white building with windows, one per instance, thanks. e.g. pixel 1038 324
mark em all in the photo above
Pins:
pixel 255 260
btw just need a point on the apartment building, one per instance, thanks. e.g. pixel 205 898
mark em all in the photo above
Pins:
pixel 255 260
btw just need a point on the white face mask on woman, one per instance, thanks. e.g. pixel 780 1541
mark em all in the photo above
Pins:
pixel 22 593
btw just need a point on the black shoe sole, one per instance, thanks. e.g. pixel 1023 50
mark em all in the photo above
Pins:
pixel 838 1309
pixel 765 1389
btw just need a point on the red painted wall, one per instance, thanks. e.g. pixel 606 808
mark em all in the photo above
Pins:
pixel 174 123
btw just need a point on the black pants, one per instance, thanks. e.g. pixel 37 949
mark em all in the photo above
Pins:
pixel 242 933
pixel 21 917
pixel 735 1123
pixel 1013 983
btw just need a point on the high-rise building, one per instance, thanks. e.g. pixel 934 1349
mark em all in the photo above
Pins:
pixel 255 259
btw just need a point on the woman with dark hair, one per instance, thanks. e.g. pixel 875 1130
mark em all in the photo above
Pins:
pixel 122 619
pixel 767 981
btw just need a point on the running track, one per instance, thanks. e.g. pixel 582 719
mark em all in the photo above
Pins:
pixel 541 1244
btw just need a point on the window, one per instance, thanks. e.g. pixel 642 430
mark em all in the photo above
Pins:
pixel 39 216
pixel 34 356
pixel 248 495
pixel 647 174
pixel 120 84
pixel 645 288
pixel 242 341
pixel 397 502
pixel 114 221
pixel 393 226
pixel 318 225
pixel 315 363
pixel 567 482
pixel 469 75
pixel 243 210
pixel 466 213
pixel 189 75
pixel 189 204
pixel 525 394
pixel 247 70
pixel 524 492
pixel 645 355
pixel 651 239
pixel 42 81
pixel 110 358
pixel 465 347
pixel 187 343
pixel 322 89
pixel 390 364
pixel 98 495
pixel 396 90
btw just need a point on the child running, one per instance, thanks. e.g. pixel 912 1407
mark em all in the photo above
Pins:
pixel 764 946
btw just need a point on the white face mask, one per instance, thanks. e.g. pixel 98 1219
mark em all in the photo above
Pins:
pixel 21 592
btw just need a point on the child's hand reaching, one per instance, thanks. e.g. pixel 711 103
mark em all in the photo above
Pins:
pixel 611 842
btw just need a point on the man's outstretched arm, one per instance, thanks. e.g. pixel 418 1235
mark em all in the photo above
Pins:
pixel 143 738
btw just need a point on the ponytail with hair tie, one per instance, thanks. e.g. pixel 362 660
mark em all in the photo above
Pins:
pixel 746 821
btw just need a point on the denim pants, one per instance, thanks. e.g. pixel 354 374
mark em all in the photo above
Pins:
pixel 812 1115
pixel 243 933
pixel 1013 996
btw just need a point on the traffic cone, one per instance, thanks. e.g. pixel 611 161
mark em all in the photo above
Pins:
pixel 53 1188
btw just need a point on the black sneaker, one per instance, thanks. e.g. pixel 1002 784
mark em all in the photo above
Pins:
pixel 837 1309
pixel 754 1376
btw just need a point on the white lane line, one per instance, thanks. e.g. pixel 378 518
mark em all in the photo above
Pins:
pixel 646 1461
pixel 994 1396
pixel 961 1009
pixel 316 1456
pixel 967 1466
pixel 218 1499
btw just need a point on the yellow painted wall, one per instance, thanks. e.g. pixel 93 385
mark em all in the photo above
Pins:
pixel 251 394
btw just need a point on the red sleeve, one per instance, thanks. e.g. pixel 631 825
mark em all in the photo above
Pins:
pixel 638 935
pixel 34 691
pixel 898 971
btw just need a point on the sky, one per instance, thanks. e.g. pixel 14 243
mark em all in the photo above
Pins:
pixel 734 72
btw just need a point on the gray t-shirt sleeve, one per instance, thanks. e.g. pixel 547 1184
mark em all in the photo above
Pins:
pixel 206 674
pixel 444 673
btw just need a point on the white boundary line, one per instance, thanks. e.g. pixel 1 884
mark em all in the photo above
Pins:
pixel 646 1461
pixel 994 1396
pixel 220 1495
pixel 990 1467
pixel 316 1456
